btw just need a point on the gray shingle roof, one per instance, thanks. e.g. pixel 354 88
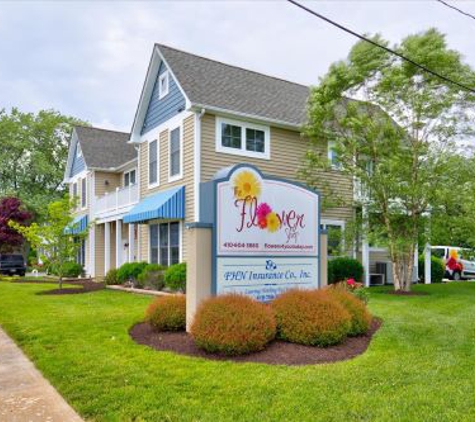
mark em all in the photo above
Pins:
pixel 211 83
pixel 105 149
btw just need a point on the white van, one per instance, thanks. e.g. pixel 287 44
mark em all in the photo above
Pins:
pixel 466 258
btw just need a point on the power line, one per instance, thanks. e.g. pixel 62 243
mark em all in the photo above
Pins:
pixel 456 9
pixel 383 47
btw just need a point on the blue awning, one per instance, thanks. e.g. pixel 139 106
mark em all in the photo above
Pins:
pixel 78 225
pixel 168 204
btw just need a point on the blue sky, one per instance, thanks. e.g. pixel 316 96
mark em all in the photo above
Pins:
pixel 89 59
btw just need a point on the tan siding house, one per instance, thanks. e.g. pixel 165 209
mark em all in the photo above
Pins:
pixel 195 117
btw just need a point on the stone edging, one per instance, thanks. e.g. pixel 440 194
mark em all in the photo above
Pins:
pixel 142 291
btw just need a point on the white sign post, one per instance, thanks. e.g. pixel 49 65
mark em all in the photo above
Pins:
pixel 266 235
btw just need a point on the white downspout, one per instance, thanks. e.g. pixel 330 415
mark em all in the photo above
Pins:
pixel 197 164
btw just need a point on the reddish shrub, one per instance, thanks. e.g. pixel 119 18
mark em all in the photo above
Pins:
pixel 167 313
pixel 311 317
pixel 360 316
pixel 233 325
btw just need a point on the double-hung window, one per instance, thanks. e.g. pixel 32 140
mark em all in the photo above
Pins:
pixel 83 193
pixel 153 163
pixel 242 138
pixel 129 178
pixel 75 190
pixel 333 156
pixel 175 149
pixel 335 232
pixel 165 243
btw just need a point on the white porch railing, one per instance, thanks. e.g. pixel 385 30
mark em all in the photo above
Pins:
pixel 119 201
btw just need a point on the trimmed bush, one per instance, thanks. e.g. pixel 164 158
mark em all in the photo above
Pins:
pixel 175 277
pixel 111 277
pixel 437 269
pixel 167 313
pixel 153 275
pixel 233 325
pixel 360 316
pixel 343 268
pixel 311 317
pixel 130 271
pixel 72 269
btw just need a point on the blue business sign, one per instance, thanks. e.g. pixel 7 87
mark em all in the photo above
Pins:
pixel 265 234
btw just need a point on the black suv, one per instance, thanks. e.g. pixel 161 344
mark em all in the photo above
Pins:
pixel 12 264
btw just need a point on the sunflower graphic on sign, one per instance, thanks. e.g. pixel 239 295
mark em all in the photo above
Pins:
pixel 247 187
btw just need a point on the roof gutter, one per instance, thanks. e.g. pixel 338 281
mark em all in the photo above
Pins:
pixel 113 169
pixel 258 119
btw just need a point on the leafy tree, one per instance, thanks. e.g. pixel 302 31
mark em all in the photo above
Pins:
pixel 34 149
pixel 397 141
pixel 11 209
pixel 453 223
pixel 54 236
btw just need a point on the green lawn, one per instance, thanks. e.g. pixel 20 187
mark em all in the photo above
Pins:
pixel 419 367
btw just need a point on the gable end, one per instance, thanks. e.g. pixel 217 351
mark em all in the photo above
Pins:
pixel 159 109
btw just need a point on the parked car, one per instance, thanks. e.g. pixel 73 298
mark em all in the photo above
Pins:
pixel 12 264
pixel 465 258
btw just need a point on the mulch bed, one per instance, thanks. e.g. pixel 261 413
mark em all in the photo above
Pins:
pixel 277 352
pixel 403 293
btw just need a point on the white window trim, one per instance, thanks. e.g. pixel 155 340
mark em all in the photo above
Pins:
pixel 243 151
pixel 179 175
pixel 164 76
pixel 329 222
pixel 78 150
pixel 157 183
pixel 83 207
pixel 331 147
pixel 128 172
pixel 77 189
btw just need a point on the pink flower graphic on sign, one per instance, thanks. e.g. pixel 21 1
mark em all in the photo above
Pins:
pixel 263 210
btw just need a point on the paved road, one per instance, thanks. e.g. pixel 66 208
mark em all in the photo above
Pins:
pixel 25 395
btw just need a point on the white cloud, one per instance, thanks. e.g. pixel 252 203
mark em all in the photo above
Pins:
pixel 89 59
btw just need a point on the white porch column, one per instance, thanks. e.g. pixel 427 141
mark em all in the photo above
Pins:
pixel 92 250
pixel 131 242
pixel 415 271
pixel 427 265
pixel 107 247
pixel 365 250
pixel 365 259
pixel 118 243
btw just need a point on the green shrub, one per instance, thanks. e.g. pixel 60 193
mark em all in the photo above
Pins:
pixel 130 271
pixel 175 277
pixel 311 317
pixel 233 325
pixel 360 316
pixel 153 275
pixel 343 268
pixel 111 277
pixel 72 269
pixel 167 313
pixel 362 294
pixel 437 269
